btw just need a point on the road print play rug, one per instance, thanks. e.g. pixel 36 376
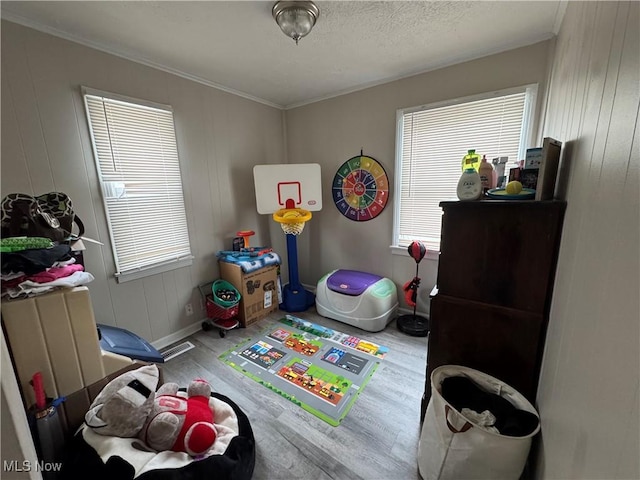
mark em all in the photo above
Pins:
pixel 317 368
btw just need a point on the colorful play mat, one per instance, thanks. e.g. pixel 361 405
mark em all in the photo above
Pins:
pixel 317 368
pixel 360 188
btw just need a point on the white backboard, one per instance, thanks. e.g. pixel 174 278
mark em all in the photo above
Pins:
pixel 275 184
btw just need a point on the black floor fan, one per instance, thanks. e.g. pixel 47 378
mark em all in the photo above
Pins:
pixel 414 325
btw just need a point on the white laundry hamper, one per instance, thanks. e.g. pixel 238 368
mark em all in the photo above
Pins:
pixel 453 447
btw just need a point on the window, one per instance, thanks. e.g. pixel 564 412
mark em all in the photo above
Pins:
pixel 137 160
pixel 431 141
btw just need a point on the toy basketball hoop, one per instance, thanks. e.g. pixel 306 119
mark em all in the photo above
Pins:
pixel 292 220
pixel 290 192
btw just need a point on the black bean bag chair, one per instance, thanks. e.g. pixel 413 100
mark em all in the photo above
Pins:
pixel 99 457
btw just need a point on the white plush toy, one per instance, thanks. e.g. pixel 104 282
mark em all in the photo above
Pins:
pixel 123 406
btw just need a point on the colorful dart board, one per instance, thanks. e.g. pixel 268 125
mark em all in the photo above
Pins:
pixel 360 188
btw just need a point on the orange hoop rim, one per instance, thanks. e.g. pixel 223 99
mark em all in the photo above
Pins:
pixel 305 215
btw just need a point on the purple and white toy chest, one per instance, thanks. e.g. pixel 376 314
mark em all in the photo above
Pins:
pixel 361 299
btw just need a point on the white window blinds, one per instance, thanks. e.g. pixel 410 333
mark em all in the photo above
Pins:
pixel 138 166
pixel 431 143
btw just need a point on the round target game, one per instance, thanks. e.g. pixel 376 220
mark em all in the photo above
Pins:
pixel 360 188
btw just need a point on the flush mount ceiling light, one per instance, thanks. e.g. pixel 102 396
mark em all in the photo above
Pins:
pixel 295 19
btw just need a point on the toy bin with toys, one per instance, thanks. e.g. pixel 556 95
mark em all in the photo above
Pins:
pixel 222 304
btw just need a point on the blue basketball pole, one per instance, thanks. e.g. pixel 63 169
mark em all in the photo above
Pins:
pixel 292 253
pixel 294 297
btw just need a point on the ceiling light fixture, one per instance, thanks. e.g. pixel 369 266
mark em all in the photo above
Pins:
pixel 295 19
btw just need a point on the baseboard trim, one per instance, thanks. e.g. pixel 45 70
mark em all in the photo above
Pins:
pixel 407 311
pixel 309 288
pixel 177 336
pixel 197 326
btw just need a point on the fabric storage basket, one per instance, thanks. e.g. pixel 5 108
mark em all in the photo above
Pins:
pixel 453 446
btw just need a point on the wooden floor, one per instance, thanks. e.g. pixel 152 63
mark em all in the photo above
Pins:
pixel 377 440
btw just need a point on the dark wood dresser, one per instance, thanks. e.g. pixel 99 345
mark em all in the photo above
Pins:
pixel 494 286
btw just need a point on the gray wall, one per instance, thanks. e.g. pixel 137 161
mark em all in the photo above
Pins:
pixel 332 131
pixel 588 394
pixel 46 146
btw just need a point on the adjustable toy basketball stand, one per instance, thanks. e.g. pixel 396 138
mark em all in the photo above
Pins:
pixel 294 296
pixel 414 325
pixel 290 192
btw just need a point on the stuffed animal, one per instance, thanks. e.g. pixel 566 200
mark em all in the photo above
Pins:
pixel 181 424
pixel 123 406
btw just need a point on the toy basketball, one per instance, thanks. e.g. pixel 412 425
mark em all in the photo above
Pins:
pixel 292 220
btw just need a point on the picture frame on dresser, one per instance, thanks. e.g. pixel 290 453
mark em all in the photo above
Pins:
pixel 548 171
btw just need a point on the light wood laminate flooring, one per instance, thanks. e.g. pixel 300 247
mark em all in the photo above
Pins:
pixel 377 440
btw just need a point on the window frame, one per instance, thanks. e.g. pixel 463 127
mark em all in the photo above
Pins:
pixel 526 136
pixel 160 266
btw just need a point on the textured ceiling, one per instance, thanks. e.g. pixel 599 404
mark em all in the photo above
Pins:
pixel 237 46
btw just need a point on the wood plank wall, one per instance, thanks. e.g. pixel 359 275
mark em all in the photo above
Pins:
pixel 588 393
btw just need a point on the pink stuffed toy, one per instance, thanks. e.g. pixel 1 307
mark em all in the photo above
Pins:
pixel 181 424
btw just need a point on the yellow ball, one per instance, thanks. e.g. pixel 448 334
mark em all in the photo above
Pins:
pixel 292 214
pixel 514 187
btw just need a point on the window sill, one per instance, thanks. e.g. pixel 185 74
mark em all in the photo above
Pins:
pixel 397 250
pixel 154 270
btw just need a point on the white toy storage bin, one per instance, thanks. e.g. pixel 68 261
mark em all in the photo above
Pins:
pixel 364 300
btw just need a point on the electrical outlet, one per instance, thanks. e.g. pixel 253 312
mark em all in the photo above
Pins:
pixel 188 309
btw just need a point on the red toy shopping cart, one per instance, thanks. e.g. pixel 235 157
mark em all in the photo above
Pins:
pixel 221 300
